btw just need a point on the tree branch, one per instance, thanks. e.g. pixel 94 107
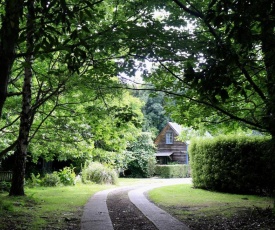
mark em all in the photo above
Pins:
pixel 6 126
pixel 8 149
pixel 232 116
pixel 186 9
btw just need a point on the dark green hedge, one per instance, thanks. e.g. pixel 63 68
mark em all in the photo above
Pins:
pixel 172 171
pixel 233 164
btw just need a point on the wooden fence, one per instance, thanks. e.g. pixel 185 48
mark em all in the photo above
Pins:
pixel 5 175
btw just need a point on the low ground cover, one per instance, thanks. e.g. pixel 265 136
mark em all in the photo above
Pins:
pixel 58 207
pixel 62 207
pixel 202 209
pixel 46 207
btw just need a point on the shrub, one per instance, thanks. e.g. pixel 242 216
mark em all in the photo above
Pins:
pixel 98 173
pixel 67 176
pixel 172 171
pixel 5 186
pixel 230 164
pixel 51 179
pixel 151 167
pixel 34 181
pixel 143 156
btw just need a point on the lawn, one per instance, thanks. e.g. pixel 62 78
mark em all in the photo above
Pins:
pixel 51 207
pixel 46 207
pixel 60 207
pixel 191 205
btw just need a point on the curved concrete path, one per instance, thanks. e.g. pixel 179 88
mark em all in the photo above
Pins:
pixel 96 216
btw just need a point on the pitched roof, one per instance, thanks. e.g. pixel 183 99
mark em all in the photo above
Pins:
pixel 174 126
pixel 177 128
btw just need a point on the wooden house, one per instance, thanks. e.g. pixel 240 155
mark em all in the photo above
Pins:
pixel 169 148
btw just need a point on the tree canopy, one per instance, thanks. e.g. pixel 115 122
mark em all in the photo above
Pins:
pixel 216 61
pixel 155 116
pixel 213 59
pixel 51 48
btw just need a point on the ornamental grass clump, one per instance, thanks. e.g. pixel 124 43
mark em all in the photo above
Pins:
pixel 98 173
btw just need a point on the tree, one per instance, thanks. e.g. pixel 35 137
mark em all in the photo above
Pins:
pixel 218 62
pixel 82 130
pixel 12 11
pixel 86 115
pixel 155 116
pixel 83 36
pixel 143 159
pixel 25 123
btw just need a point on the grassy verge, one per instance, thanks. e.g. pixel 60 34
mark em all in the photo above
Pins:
pixel 61 207
pixel 51 207
pixel 46 208
pixel 187 203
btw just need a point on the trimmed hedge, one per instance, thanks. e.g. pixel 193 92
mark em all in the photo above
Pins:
pixel 233 164
pixel 172 171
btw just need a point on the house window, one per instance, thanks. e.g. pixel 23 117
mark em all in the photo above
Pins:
pixel 169 138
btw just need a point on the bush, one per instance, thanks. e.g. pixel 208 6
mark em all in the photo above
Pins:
pixel 230 164
pixel 98 173
pixel 51 180
pixel 143 160
pixel 5 186
pixel 172 171
pixel 67 176
pixel 34 181
pixel 151 167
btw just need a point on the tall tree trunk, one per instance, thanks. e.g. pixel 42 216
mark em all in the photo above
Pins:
pixel 17 187
pixel 270 168
pixel 8 40
pixel 268 48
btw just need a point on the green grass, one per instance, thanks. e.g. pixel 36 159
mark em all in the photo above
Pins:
pixel 50 207
pixel 184 201
pixel 44 207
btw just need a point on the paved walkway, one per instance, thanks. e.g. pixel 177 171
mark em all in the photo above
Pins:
pixel 96 216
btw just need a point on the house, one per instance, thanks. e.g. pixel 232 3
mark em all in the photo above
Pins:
pixel 169 148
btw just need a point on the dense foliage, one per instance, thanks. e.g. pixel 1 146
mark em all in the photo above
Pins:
pixel 216 60
pixel 155 116
pixel 50 180
pixel 143 161
pixel 50 53
pixel 58 60
pixel 81 126
pixel 173 171
pixel 239 164
pixel 65 176
pixel 98 173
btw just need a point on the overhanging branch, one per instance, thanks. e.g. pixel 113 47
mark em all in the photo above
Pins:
pixel 231 115
pixel 8 149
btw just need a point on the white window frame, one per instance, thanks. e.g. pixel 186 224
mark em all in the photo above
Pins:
pixel 169 138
